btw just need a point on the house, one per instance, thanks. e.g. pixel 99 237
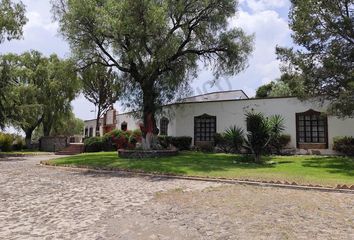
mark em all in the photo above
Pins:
pixel 204 115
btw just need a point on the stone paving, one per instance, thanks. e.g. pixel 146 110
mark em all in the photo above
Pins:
pixel 45 203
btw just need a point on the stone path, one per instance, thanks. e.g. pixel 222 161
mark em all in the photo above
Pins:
pixel 43 203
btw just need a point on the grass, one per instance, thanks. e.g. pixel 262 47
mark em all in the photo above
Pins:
pixel 321 170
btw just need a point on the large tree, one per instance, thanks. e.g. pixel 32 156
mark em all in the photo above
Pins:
pixel 155 45
pixel 59 89
pixel 42 91
pixel 12 20
pixel 101 87
pixel 325 32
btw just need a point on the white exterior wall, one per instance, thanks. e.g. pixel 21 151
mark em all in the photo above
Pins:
pixel 92 124
pixel 229 113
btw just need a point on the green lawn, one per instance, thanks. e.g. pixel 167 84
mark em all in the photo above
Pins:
pixel 301 169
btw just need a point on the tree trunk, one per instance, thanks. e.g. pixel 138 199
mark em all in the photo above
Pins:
pixel 98 121
pixel 28 139
pixel 47 127
pixel 150 129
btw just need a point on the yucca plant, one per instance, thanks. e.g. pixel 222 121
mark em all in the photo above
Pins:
pixel 258 134
pixel 261 131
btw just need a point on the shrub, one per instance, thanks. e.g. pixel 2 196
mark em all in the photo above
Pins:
pixel 279 143
pixel 6 141
pixel 206 148
pixel 182 143
pixel 261 131
pixel 231 140
pixel 18 143
pixel 344 145
pixel 119 139
pixel 94 144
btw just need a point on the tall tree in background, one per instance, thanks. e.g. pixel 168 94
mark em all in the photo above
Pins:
pixel 42 92
pixel 288 85
pixel 25 108
pixel 101 87
pixel 58 91
pixel 12 20
pixel 325 31
pixel 155 45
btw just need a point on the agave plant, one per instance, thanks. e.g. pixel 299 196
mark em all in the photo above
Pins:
pixel 235 136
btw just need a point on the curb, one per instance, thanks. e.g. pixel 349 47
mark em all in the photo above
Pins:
pixel 203 179
pixel 25 155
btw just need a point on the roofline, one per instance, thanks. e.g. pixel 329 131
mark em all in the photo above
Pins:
pixel 236 90
pixel 93 119
pixel 216 101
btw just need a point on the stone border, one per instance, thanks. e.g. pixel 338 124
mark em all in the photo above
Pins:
pixel 25 154
pixel 286 185
pixel 146 153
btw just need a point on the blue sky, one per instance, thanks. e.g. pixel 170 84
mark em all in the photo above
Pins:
pixel 267 19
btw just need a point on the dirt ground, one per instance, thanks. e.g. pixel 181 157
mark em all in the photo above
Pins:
pixel 43 203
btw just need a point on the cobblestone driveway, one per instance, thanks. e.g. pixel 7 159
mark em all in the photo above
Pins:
pixel 42 203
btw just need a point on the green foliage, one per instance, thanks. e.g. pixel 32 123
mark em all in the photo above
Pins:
pixel 67 125
pixel 101 87
pixel 324 30
pixel 6 141
pixel 182 143
pixel 344 145
pixel 119 139
pixel 154 46
pixel 264 90
pixel 40 91
pixel 261 131
pixel 231 140
pixel 279 143
pixel 258 134
pixel 288 85
pixel 12 20
pixel 94 144
pixel 308 169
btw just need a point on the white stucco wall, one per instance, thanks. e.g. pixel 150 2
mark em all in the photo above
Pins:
pixel 92 124
pixel 228 113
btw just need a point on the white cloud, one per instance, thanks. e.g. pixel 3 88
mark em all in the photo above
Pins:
pixel 270 29
pixel 260 5
pixel 39 21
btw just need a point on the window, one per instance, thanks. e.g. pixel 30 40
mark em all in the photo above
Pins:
pixel 164 126
pixel 124 126
pixel 204 128
pixel 86 132
pixel 311 127
pixel 91 132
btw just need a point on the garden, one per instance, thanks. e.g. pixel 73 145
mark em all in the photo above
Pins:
pixel 256 154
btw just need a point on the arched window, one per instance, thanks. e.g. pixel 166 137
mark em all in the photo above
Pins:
pixel 204 128
pixel 164 126
pixel 311 130
pixel 124 126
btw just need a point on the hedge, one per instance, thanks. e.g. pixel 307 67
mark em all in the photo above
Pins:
pixel 344 145
pixel 182 143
